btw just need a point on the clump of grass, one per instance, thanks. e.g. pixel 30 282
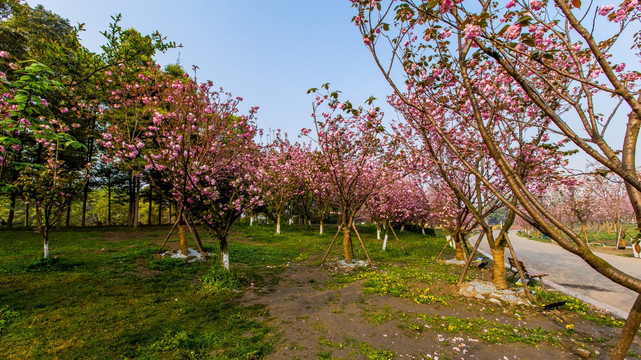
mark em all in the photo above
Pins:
pixel 490 331
pixel 218 279
pixel 395 281
pixel 167 263
pixel 7 316
pixel 364 348
pixel 579 307
pixel 172 344
pixel 37 265
pixel 372 353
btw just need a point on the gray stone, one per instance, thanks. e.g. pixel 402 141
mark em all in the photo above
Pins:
pixel 455 262
pixel 582 353
pixel 486 290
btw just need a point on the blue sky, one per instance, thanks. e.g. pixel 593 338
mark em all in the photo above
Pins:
pixel 268 52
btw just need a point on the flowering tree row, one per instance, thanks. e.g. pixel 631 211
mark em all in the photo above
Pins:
pixel 523 78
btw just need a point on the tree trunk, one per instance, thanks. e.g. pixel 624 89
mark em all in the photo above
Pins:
pixel 109 199
pixel 85 199
pixel 137 203
pixel 385 241
pixel 498 272
pixel 321 227
pixel 628 162
pixel 68 219
pixel 26 215
pixel 347 240
pixel 182 231
pixel 44 230
pixel 45 234
pixel 12 211
pixel 130 221
pixel 378 231
pixel 459 246
pixel 278 223
pixel 224 252
pixel 85 190
pixel 160 208
pixel 59 217
pixel 629 331
pixel 151 202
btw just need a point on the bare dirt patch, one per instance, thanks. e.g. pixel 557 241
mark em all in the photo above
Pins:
pixel 317 319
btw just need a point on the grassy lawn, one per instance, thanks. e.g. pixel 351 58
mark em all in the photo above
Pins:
pixel 105 293
pixel 106 296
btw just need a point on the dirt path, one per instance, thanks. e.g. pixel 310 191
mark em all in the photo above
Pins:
pixel 318 320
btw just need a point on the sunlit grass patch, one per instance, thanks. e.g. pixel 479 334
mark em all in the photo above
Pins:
pixel 579 307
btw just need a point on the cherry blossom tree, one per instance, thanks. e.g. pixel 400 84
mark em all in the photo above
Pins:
pixel 547 53
pixel 278 175
pixel 611 200
pixel 399 202
pixel 206 152
pixel 315 183
pixel 353 150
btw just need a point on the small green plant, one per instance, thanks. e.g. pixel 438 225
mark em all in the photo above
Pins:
pixel 379 318
pixel 374 354
pixel 6 317
pixel 395 282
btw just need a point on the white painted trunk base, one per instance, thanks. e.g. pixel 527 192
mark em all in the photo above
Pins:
pixel 46 250
pixel 378 234
pixel 226 260
pixel 385 242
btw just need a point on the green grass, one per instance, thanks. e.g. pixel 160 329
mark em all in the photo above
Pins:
pixel 98 298
pixel 579 307
pixel 105 294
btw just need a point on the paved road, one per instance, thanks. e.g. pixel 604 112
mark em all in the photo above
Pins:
pixel 568 273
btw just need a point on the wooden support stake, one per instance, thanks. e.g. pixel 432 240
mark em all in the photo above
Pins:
pixel 169 235
pixel 469 259
pixel 369 261
pixel 192 229
pixel 332 244
pixel 397 239
pixel 447 243
pixel 518 268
